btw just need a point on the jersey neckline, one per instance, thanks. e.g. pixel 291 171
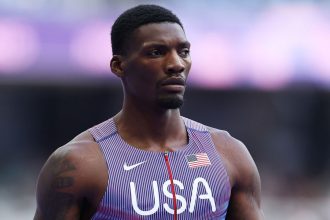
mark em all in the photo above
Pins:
pixel 182 148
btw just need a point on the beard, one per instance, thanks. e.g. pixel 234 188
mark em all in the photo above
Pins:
pixel 170 102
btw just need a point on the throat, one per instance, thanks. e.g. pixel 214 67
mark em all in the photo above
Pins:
pixel 150 132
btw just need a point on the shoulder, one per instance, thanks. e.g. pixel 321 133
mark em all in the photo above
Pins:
pixel 82 151
pixel 239 163
pixel 72 166
pixel 68 180
pixel 236 158
pixel 244 177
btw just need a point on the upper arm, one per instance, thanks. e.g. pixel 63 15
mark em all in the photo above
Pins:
pixel 58 191
pixel 245 200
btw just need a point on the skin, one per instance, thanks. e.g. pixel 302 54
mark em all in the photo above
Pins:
pixel 68 186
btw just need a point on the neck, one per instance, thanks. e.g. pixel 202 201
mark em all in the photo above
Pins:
pixel 150 129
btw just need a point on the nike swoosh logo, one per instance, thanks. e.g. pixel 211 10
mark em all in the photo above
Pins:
pixel 127 167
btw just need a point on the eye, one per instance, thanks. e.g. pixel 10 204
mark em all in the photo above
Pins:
pixel 155 53
pixel 184 52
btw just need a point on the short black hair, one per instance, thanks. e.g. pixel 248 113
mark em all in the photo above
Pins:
pixel 135 17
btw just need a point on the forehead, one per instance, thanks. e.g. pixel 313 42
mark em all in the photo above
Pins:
pixel 166 32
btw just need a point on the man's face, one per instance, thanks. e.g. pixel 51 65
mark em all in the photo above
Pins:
pixel 157 64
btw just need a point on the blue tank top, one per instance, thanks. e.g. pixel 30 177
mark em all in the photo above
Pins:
pixel 190 183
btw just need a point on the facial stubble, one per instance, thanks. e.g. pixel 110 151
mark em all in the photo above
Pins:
pixel 170 101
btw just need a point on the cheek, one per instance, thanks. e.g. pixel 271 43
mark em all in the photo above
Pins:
pixel 188 67
pixel 142 78
pixel 146 71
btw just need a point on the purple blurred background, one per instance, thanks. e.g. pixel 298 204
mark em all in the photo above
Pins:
pixel 260 68
pixel 258 44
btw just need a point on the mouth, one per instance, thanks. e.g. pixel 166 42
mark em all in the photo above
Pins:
pixel 175 81
pixel 173 85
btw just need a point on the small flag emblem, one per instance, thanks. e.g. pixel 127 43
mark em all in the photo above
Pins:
pixel 198 160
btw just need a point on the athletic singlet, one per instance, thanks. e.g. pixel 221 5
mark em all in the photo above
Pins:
pixel 143 184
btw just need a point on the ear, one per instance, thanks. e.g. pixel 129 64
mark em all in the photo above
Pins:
pixel 116 65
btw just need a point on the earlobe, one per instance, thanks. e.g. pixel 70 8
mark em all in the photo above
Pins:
pixel 116 65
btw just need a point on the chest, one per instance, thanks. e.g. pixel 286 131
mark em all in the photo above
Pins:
pixel 161 185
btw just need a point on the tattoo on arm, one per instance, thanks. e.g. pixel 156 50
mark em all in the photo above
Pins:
pixel 62 182
pixel 64 165
pixel 58 199
pixel 61 179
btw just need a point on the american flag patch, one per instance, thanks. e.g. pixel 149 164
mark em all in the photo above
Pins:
pixel 198 160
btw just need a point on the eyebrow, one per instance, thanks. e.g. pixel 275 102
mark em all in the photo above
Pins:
pixel 156 43
pixel 185 44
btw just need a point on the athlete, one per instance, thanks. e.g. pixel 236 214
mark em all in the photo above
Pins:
pixel 148 161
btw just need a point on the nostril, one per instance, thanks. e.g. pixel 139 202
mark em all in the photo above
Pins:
pixel 173 69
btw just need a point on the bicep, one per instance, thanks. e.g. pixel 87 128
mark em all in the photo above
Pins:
pixel 57 196
pixel 57 205
pixel 245 202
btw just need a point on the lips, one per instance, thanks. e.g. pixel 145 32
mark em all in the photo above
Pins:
pixel 174 81
pixel 173 85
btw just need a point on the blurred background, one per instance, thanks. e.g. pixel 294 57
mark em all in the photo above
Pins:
pixel 261 71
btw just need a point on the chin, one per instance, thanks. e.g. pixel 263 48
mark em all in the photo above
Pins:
pixel 170 103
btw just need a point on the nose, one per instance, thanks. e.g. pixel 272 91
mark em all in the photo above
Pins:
pixel 174 64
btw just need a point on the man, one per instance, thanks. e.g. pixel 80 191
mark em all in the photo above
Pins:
pixel 147 161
